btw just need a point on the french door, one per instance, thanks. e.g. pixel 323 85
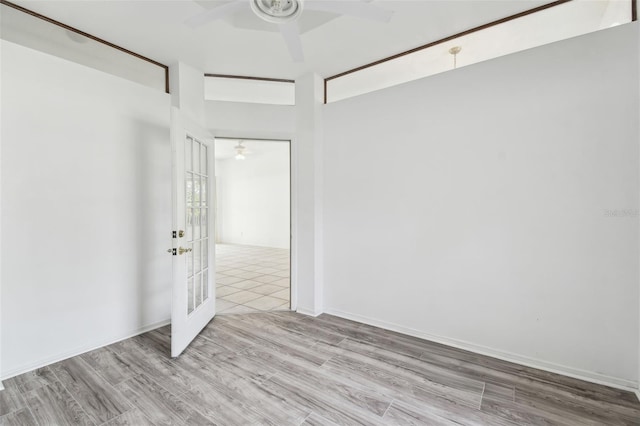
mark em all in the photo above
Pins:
pixel 193 251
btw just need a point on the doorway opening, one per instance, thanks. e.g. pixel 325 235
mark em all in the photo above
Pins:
pixel 252 225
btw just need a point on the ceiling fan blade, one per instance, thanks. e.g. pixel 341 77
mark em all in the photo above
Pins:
pixel 215 13
pixel 291 35
pixel 357 9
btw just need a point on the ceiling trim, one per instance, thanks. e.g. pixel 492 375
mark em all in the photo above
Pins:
pixel 245 77
pixel 452 37
pixel 228 138
pixel 92 37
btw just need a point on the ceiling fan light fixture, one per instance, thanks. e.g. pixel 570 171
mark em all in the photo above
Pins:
pixel 239 151
pixel 277 11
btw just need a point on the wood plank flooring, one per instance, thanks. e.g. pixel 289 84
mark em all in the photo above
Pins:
pixel 281 368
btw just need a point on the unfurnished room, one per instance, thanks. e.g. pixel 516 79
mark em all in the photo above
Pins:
pixel 319 212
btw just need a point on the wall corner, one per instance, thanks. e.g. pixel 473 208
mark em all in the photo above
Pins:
pixel 187 91
pixel 309 138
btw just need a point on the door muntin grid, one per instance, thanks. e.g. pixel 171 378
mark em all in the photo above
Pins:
pixel 196 222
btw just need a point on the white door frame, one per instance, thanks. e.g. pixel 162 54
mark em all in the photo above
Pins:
pixel 293 200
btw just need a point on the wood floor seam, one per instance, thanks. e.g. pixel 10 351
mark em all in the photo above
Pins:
pixel 71 395
pixel 484 387
pixel 213 341
pixel 269 376
pixel 106 384
pixel 305 419
pixel 12 411
pixel 26 406
pixel 330 358
pixel 147 377
pixel 387 409
pixel 101 375
pixel 116 417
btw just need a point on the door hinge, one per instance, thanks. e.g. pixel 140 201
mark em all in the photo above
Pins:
pixel 174 234
pixel 174 252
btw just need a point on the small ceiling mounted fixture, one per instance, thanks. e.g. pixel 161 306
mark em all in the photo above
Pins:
pixel 454 51
pixel 240 151
pixel 277 11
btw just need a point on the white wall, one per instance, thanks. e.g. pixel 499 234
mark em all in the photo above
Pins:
pixel 86 197
pixel 469 207
pixel 187 91
pixel 245 120
pixel 253 197
pixel 309 270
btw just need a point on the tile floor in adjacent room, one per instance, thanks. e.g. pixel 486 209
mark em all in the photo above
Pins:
pixel 251 279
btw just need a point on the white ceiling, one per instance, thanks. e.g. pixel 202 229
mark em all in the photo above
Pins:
pixel 243 45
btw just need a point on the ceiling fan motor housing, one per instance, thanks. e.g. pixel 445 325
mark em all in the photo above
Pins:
pixel 277 11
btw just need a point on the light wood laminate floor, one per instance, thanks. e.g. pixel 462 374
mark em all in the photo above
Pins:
pixel 282 368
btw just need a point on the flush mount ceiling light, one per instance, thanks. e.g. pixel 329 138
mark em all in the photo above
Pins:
pixel 277 11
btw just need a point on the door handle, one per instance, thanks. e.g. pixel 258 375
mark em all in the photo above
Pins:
pixel 180 250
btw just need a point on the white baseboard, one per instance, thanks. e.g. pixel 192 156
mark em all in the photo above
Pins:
pixel 308 312
pixel 79 351
pixel 601 379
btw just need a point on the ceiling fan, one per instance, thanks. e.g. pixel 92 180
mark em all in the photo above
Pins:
pixel 285 13
pixel 241 151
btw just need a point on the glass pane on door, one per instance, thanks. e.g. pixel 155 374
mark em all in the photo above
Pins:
pixel 196 193
pixel 198 285
pixel 196 156
pixel 190 295
pixel 190 261
pixel 203 222
pixel 188 149
pixel 205 286
pixel 203 160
